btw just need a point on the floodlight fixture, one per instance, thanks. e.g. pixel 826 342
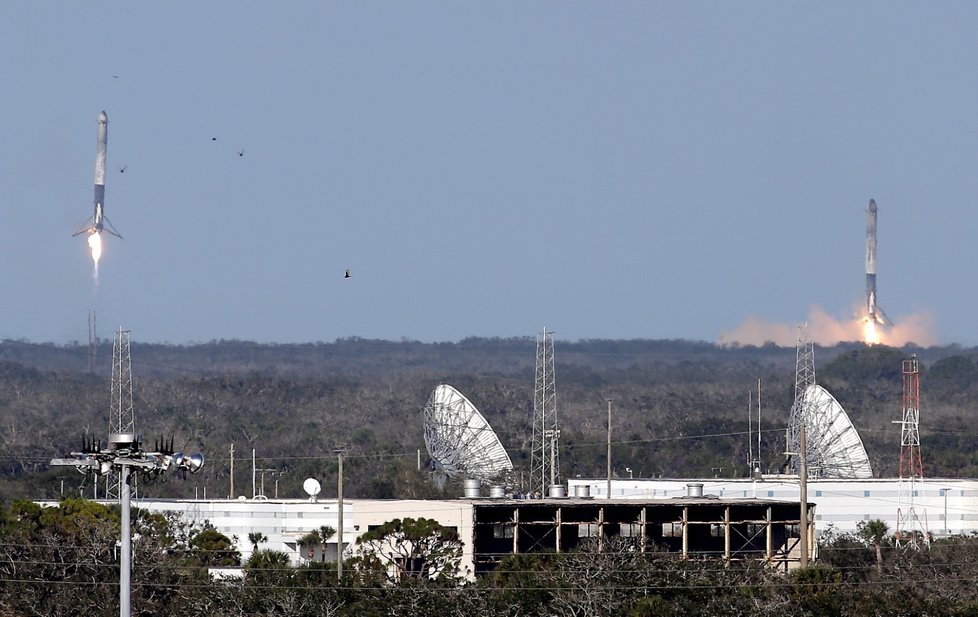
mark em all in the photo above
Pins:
pixel 124 454
pixel 195 462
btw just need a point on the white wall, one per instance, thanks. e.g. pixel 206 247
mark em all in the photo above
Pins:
pixel 840 503
pixel 285 521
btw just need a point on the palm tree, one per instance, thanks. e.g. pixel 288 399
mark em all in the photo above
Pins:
pixel 875 531
pixel 317 537
pixel 256 538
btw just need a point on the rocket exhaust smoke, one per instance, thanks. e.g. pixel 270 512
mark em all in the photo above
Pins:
pixel 871 326
pixel 826 330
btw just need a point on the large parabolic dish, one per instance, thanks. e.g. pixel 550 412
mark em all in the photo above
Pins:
pixel 458 438
pixel 834 447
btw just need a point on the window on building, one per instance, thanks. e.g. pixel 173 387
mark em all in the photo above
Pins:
pixel 502 531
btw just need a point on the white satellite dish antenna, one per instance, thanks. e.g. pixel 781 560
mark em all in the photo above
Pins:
pixel 459 439
pixel 834 447
pixel 312 488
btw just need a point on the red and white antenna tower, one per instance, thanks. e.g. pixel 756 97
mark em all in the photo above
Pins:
pixel 910 531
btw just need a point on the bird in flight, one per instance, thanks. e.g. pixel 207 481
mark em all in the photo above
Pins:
pixel 241 152
pixel 122 169
pixel 347 274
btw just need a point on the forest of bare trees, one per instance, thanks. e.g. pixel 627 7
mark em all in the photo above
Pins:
pixel 680 407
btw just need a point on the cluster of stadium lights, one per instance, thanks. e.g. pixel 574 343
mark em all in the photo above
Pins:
pixel 124 454
pixel 126 449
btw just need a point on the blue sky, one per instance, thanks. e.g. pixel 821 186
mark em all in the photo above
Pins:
pixel 609 170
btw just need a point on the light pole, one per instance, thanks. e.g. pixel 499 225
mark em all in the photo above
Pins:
pixel 609 448
pixel 803 486
pixel 277 475
pixel 339 517
pixel 945 490
pixel 262 484
pixel 125 451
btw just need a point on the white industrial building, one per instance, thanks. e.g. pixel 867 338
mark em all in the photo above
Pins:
pixel 491 528
pixel 943 505
pixel 731 528
pixel 284 521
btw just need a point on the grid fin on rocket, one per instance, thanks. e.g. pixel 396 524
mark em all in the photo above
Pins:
pixel 98 222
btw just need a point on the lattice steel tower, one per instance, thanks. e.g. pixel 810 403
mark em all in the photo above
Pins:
pixel 800 412
pixel 121 417
pixel 544 452
pixel 910 530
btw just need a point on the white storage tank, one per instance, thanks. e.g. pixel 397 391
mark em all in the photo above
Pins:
pixel 473 488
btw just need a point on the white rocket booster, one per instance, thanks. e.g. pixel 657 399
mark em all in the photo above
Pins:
pixel 873 312
pixel 98 221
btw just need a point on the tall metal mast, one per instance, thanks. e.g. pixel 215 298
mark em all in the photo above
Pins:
pixel 910 531
pixel 804 379
pixel 121 417
pixel 833 447
pixel 544 452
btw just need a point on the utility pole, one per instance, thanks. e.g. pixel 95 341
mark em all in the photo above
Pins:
pixel 609 448
pixel 275 474
pixel 339 519
pixel 750 434
pixel 758 467
pixel 231 494
pixel 803 473
pixel 261 486
pixel 944 490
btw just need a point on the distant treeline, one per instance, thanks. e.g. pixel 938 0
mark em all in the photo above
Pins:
pixel 680 407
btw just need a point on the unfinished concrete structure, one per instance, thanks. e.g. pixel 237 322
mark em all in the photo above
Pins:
pixel 695 527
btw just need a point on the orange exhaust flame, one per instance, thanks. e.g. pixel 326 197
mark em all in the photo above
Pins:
pixel 918 328
pixel 95 243
pixel 871 335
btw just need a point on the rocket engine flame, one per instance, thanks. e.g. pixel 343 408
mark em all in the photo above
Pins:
pixel 871 335
pixel 95 243
pixel 918 328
